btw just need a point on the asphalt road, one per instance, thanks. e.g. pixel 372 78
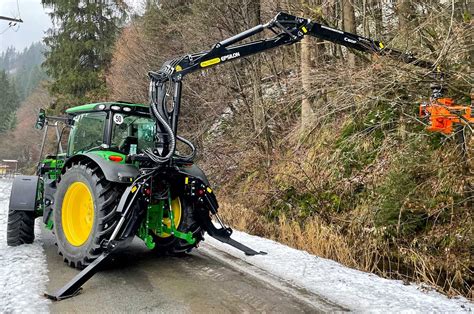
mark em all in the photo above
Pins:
pixel 207 280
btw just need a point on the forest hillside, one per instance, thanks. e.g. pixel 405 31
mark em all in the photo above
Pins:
pixel 22 86
pixel 322 148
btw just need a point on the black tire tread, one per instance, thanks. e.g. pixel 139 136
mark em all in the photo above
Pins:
pixel 109 194
pixel 20 228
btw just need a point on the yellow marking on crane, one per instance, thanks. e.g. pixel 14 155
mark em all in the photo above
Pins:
pixel 210 62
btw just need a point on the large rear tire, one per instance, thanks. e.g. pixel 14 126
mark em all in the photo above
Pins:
pixel 84 213
pixel 187 223
pixel 20 227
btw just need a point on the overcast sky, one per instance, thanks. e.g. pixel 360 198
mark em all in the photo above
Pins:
pixel 35 23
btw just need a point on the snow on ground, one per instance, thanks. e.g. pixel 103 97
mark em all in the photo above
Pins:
pixel 23 276
pixel 350 288
pixel 23 270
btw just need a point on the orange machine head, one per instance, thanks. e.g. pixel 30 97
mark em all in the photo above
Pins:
pixel 443 114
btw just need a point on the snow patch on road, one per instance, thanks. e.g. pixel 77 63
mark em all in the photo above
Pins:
pixel 23 270
pixel 350 288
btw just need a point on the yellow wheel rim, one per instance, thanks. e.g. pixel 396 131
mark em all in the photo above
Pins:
pixel 176 209
pixel 77 213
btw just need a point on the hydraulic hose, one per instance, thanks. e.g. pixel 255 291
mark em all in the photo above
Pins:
pixel 157 95
pixel 164 123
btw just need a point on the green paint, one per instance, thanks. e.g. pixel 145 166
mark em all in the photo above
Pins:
pixel 143 233
pixel 150 244
pixel 188 237
pixel 55 166
pixel 155 213
pixel 154 222
pixel 144 230
pixel 83 108
pixel 106 154
pixel 39 198
pixel 94 107
pixel 50 224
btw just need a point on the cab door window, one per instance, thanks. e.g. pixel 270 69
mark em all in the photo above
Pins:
pixel 87 132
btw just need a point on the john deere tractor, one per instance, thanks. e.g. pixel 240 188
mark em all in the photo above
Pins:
pixel 121 175
pixel 77 192
pixel 113 182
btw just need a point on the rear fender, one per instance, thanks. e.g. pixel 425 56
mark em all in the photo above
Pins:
pixel 195 172
pixel 197 180
pixel 24 194
pixel 113 172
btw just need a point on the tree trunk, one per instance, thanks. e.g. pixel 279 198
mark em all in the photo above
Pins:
pixel 349 23
pixel 469 151
pixel 378 17
pixel 365 18
pixel 310 55
pixel 403 12
pixel 260 115
pixel 306 47
pixel 306 110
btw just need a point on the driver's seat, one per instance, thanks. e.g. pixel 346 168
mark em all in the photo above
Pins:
pixel 126 144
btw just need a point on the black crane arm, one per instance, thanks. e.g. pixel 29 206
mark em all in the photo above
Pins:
pixel 288 29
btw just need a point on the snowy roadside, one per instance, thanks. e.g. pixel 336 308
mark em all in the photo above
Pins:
pixel 23 276
pixel 23 270
pixel 350 288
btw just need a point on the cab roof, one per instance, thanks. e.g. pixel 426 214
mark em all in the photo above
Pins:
pixel 104 106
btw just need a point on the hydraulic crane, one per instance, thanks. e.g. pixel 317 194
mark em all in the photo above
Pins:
pixel 441 112
pixel 163 160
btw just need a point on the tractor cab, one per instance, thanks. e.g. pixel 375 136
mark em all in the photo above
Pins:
pixel 118 127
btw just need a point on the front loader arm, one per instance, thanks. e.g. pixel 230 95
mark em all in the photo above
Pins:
pixel 288 29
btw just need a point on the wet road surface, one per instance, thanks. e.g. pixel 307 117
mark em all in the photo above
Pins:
pixel 205 281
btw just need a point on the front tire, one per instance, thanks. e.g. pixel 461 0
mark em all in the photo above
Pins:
pixel 84 214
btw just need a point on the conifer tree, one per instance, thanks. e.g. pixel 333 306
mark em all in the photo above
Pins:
pixel 9 102
pixel 80 46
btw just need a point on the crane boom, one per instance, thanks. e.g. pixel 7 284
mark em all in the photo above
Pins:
pixel 287 29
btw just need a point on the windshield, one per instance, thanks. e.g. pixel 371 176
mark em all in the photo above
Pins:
pixel 132 134
pixel 87 133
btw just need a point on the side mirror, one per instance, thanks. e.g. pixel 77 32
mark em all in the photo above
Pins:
pixel 41 120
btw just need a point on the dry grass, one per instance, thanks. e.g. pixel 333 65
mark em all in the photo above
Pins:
pixel 358 249
pixel 314 237
pixel 255 199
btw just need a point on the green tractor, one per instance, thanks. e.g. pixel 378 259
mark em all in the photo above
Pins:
pixel 77 192
pixel 108 187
